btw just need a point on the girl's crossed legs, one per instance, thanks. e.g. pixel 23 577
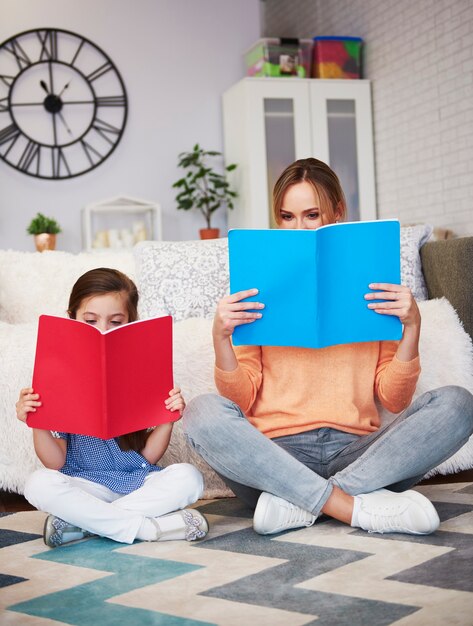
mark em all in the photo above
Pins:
pixel 100 511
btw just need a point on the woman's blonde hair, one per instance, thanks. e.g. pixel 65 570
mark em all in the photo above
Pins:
pixel 325 183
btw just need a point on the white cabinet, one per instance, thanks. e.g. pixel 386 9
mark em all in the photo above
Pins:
pixel 269 123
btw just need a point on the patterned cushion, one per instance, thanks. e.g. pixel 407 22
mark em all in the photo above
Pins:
pixel 412 239
pixel 181 278
pixel 187 278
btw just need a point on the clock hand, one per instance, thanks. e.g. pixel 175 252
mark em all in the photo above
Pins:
pixel 64 88
pixel 31 104
pixel 27 104
pixel 50 67
pixel 64 122
pixel 44 86
pixel 54 130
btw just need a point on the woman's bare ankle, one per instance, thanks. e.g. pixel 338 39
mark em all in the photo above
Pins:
pixel 339 506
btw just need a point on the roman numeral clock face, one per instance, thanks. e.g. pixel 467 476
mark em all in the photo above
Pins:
pixel 63 104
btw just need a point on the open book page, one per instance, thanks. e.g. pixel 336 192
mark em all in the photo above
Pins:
pixel 281 264
pixel 350 256
pixel 103 385
pixel 313 282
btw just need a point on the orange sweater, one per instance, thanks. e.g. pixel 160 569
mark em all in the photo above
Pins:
pixel 284 391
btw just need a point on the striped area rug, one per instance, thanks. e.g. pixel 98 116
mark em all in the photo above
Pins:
pixel 329 574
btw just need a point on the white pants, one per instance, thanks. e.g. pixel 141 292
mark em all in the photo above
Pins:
pixel 103 512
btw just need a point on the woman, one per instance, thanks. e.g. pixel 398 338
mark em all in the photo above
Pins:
pixel 297 433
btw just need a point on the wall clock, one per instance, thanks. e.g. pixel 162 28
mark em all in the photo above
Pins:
pixel 63 104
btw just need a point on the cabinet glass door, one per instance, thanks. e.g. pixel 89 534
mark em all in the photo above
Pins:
pixel 341 126
pixel 281 119
pixel 280 139
pixel 342 137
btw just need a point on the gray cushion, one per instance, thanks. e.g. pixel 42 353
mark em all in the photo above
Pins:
pixel 448 272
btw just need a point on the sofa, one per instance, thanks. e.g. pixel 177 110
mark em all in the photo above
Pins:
pixel 185 279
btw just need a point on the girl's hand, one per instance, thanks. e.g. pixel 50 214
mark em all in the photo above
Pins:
pixel 231 312
pixel 400 302
pixel 27 403
pixel 175 402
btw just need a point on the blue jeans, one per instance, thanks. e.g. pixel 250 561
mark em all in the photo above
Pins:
pixel 304 468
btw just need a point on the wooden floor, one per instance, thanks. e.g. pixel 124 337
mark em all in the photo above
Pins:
pixel 14 502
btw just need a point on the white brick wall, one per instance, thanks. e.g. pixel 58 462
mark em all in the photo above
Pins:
pixel 419 56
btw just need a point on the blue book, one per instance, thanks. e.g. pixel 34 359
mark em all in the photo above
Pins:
pixel 313 283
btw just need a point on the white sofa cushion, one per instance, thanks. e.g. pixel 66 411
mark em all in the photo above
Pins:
pixel 193 372
pixel 446 357
pixel 181 278
pixel 32 283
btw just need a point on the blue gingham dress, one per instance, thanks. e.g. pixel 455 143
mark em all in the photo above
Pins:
pixel 102 461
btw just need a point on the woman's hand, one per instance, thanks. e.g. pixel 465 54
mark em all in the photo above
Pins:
pixel 231 312
pixel 399 301
pixel 27 403
pixel 175 402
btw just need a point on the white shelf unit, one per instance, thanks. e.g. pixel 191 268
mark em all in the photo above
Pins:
pixel 119 223
pixel 271 122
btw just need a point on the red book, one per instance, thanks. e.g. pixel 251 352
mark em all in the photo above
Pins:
pixel 102 384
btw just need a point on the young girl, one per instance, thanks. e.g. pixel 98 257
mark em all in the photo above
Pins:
pixel 304 429
pixel 113 487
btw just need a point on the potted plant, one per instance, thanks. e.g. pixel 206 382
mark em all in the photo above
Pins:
pixel 203 188
pixel 44 230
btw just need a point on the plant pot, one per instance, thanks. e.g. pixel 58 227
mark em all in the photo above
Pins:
pixel 209 233
pixel 45 241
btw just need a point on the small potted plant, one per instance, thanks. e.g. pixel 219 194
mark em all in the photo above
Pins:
pixel 44 230
pixel 203 188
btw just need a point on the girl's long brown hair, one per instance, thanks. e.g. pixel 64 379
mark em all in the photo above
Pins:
pixel 98 282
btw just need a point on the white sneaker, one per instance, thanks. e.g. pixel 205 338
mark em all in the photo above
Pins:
pixel 385 511
pixel 188 524
pixel 273 515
